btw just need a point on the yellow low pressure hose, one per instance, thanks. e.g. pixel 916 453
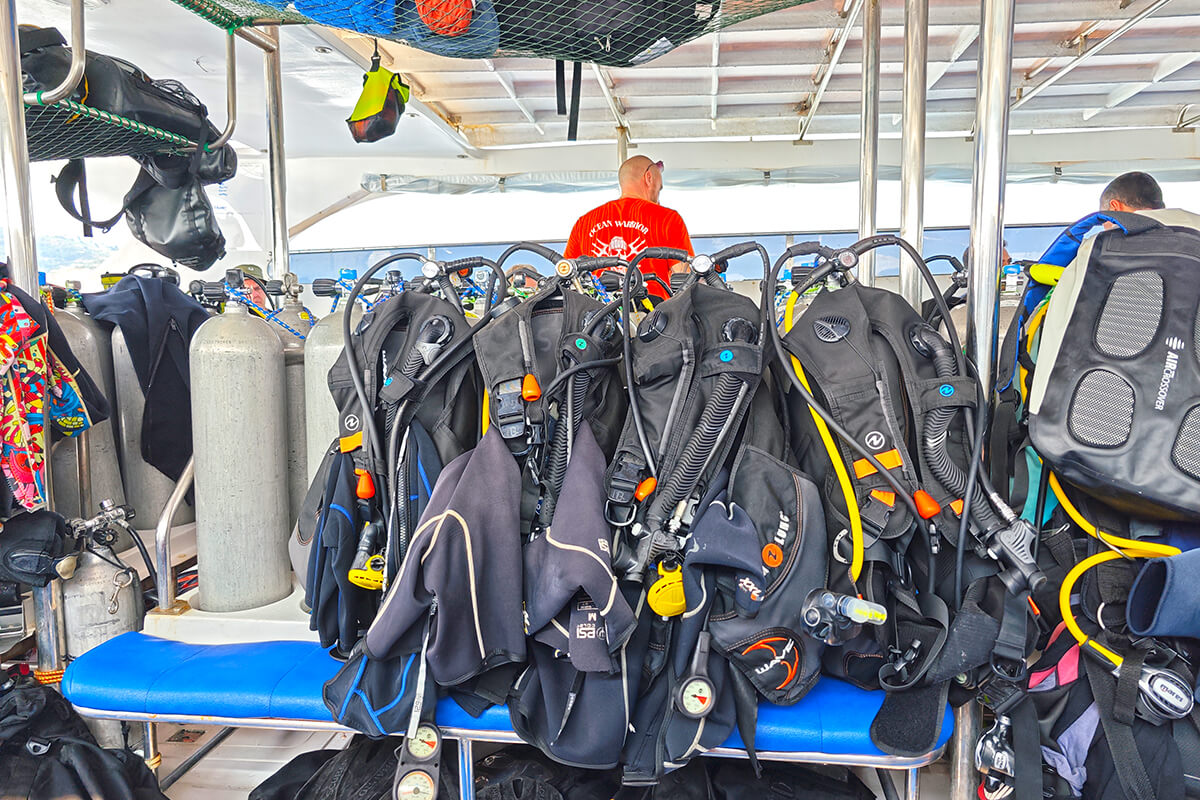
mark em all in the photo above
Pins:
pixel 1123 548
pixel 839 466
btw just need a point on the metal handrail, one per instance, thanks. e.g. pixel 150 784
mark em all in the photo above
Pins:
pixel 162 536
pixel 75 73
pixel 230 94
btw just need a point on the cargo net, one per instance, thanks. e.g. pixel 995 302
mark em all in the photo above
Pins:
pixel 615 33
pixel 70 130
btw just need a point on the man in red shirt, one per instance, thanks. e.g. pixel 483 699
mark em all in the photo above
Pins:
pixel 626 226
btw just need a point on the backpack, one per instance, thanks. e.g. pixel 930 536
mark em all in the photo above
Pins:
pixel 1115 401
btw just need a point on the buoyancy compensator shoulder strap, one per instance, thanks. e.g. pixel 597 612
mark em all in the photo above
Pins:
pixel 862 388
pixel 393 346
pixel 1062 250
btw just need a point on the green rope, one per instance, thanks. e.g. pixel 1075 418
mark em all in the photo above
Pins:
pixel 126 123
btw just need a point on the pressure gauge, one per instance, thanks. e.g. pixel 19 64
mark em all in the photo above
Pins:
pixel 696 697
pixel 418 764
pixel 416 785
pixel 430 269
pixel 425 744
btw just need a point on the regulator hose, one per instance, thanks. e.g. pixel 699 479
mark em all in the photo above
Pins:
pixel 714 419
pixel 935 438
pixel 578 380
pixel 435 333
pixel 568 422
pixel 498 277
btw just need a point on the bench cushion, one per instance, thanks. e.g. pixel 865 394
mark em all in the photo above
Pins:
pixel 138 675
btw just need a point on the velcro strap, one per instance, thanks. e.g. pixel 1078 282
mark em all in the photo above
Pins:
pixel 952 393
pixel 737 357
pixel 1125 699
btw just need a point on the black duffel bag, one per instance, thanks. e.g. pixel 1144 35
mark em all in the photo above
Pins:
pixel 48 753
pixel 167 207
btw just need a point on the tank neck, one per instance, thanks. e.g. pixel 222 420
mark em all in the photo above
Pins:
pixel 234 307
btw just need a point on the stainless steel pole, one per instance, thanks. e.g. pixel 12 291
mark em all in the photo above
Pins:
pixel 983 282
pixel 280 260
pixel 14 157
pixel 868 174
pixel 622 145
pixel 912 162
pixel 987 186
pixel 22 268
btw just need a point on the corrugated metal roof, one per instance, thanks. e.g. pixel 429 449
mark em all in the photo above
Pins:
pixel 758 78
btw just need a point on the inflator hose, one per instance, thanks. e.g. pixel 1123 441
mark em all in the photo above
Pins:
pixel 579 380
pixel 568 423
pixel 937 424
pixel 699 447
pixel 436 329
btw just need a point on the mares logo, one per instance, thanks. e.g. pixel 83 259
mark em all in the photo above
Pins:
pixel 1170 367
pixel 785 656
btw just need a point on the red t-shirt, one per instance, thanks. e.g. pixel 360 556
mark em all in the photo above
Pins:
pixel 623 228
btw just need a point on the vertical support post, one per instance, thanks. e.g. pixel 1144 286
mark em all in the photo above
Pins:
pixel 868 175
pixel 912 784
pixel 983 277
pixel 466 770
pixel 622 144
pixel 14 158
pixel 22 268
pixel 912 162
pixel 987 185
pixel 150 753
pixel 280 254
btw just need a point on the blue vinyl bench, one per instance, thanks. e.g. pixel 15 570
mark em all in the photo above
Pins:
pixel 137 677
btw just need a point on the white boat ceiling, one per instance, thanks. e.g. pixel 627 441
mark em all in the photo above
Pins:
pixel 729 105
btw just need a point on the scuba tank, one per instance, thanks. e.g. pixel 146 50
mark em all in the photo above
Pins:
pixel 241 460
pixel 103 598
pixel 322 347
pixel 292 324
pixel 92 345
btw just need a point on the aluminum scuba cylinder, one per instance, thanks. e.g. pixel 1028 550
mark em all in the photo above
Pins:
pixel 321 350
pixel 146 489
pixel 238 412
pixel 102 600
pixel 103 597
pixel 293 315
pixel 92 345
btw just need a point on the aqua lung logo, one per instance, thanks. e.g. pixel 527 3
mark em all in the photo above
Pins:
pixel 1170 367
pixel 781 536
pixel 875 440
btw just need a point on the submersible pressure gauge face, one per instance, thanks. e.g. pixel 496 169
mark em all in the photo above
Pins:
pixel 695 698
pixel 416 785
pixel 425 744
pixel 430 269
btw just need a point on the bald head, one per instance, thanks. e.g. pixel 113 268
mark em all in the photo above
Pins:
pixel 640 177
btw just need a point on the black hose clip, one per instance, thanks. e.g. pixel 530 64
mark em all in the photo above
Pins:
pixel 900 664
